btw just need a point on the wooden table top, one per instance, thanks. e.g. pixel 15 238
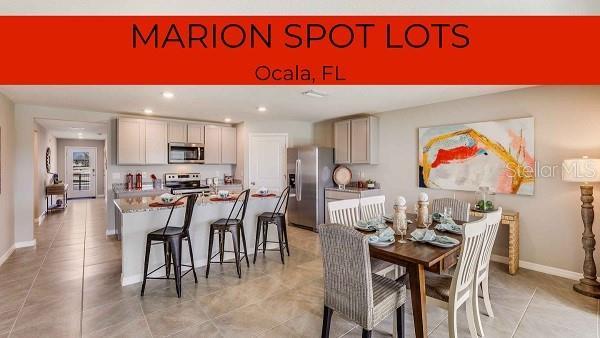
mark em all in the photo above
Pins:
pixel 415 252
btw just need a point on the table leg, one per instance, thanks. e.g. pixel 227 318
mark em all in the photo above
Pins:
pixel 416 273
pixel 513 246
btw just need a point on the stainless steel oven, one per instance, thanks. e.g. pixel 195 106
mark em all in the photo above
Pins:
pixel 186 153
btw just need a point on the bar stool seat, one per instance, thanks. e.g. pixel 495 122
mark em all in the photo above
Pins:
pixel 277 217
pixel 234 226
pixel 172 240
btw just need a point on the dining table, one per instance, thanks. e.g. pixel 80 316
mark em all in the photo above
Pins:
pixel 418 257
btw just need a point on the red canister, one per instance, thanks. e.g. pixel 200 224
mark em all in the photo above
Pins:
pixel 129 181
pixel 138 181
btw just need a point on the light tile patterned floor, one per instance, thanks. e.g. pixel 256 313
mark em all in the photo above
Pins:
pixel 68 286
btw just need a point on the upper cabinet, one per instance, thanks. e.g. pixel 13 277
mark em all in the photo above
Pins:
pixel 341 134
pixel 195 133
pixel 220 145
pixel 156 142
pixel 212 144
pixel 357 140
pixel 131 141
pixel 146 141
pixel 178 132
pixel 228 145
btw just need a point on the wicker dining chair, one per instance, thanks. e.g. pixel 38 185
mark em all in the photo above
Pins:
pixel 350 287
pixel 460 209
pixel 492 221
pixel 453 291
pixel 347 212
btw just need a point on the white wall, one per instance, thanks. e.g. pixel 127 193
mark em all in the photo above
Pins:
pixel 299 133
pixel 567 121
pixel 41 177
pixel 7 146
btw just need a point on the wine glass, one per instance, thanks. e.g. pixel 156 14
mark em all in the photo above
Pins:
pixel 428 221
pixel 402 227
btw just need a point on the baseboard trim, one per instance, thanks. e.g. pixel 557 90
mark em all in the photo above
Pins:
pixel 25 244
pixel 40 219
pixel 7 254
pixel 111 232
pixel 100 196
pixel 541 268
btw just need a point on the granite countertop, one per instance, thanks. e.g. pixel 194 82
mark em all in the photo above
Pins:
pixel 119 188
pixel 142 204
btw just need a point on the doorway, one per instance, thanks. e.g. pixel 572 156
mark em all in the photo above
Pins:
pixel 80 165
pixel 267 161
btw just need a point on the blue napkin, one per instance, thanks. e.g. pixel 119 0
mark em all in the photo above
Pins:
pixel 424 235
pixel 385 235
pixel 372 224
pixel 436 216
pixel 450 227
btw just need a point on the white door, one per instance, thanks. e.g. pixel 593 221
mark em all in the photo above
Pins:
pixel 267 161
pixel 80 169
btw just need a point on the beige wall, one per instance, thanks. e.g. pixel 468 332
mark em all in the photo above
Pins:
pixel 42 141
pixel 100 169
pixel 567 121
pixel 7 145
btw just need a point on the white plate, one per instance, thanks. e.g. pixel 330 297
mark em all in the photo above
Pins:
pixel 364 229
pixel 382 243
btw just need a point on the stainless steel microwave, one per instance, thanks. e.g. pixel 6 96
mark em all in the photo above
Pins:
pixel 186 153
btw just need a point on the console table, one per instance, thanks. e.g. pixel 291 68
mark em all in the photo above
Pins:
pixel 59 190
pixel 511 219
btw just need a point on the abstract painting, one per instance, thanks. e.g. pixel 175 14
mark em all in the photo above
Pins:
pixel 495 154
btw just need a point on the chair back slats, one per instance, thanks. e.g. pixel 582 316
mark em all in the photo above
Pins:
pixel 372 207
pixel 345 212
pixel 474 233
pixel 492 224
pixel 241 203
pixel 282 202
pixel 189 210
pixel 347 277
pixel 460 209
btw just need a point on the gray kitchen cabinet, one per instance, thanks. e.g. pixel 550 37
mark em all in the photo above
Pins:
pixel 356 141
pixel 228 145
pixel 156 142
pixel 341 135
pixel 178 132
pixel 212 144
pixel 195 133
pixel 131 141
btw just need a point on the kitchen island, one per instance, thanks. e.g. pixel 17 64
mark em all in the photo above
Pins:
pixel 136 219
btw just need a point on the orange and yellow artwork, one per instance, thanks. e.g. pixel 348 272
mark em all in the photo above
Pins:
pixel 495 154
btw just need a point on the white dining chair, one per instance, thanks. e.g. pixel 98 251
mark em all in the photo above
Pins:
pixel 347 212
pixel 492 221
pixel 372 207
pixel 460 209
pixel 454 291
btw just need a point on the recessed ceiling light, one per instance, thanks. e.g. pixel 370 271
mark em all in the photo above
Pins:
pixel 79 134
pixel 227 120
pixel 261 109
pixel 314 93
pixel 148 111
pixel 168 95
pixel 77 128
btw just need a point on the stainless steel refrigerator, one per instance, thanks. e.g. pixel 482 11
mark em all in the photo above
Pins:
pixel 310 170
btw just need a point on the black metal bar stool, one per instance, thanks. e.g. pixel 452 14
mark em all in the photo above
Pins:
pixel 171 238
pixel 278 218
pixel 235 226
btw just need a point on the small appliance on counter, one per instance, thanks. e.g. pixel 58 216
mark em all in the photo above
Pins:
pixel 228 179
pixel 129 181
pixel 138 181
pixel 186 183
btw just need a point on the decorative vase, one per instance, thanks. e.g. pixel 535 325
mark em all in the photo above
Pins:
pixel 422 213
pixel 400 222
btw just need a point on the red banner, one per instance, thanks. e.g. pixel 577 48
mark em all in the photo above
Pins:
pixel 297 50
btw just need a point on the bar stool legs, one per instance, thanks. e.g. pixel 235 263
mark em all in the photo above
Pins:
pixel 238 240
pixel 262 226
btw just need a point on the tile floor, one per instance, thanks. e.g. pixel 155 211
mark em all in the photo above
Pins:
pixel 68 286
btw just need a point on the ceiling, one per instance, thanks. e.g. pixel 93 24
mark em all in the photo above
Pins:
pixel 240 103
pixel 307 7
pixel 74 129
